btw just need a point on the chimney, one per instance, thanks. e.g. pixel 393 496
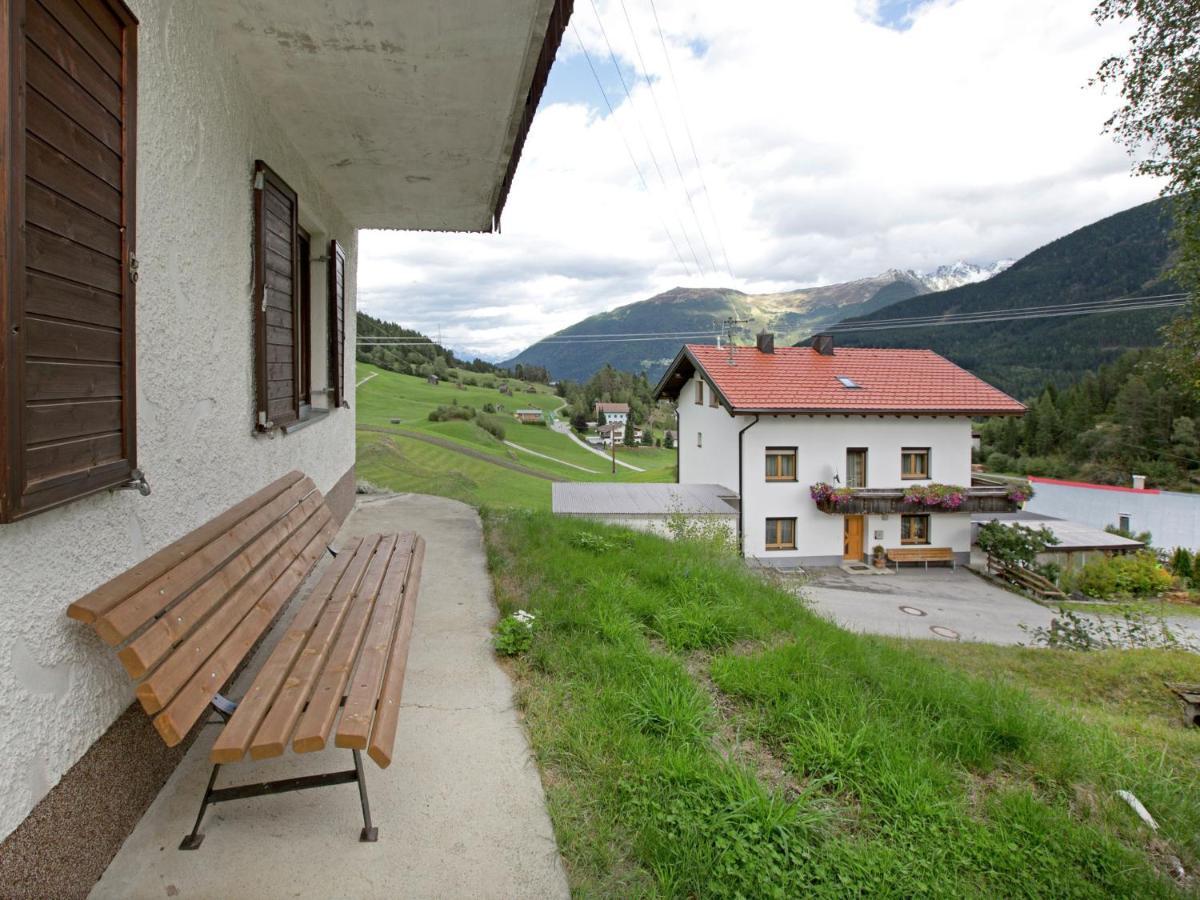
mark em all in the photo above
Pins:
pixel 1139 482
pixel 766 342
pixel 823 344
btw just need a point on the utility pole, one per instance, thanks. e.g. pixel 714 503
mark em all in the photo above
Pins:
pixel 731 324
pixel 612 442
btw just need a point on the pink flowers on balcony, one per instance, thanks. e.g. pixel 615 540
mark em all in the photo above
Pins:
pixel 1019 495
pixel 940 496
pixel 826 494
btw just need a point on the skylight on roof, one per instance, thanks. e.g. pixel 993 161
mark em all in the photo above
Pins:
pixel 848 382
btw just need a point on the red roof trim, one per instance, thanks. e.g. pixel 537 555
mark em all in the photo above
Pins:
pixel 1095 487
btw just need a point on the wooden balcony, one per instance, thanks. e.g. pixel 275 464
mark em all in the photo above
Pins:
pixel 978 498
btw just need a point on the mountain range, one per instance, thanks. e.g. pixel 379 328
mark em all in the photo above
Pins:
pixel 1124 255
pixel 694 311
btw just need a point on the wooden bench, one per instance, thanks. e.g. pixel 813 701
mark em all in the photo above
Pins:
pixel 186 620
pixel 921 554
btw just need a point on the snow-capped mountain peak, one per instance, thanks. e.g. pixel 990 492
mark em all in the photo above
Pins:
pixel 959 273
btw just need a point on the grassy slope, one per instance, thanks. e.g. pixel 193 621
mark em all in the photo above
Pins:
pixel 701 734
pixel 402 463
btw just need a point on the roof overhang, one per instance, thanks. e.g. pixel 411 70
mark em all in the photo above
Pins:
pixel 411 114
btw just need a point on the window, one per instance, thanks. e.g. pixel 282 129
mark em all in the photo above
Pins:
pixel 848 382
pixel 283 254
pixel 712 396
pixel 781 534
pixel 856 467
pixel 699 392
pixel 914 529
pixel 1124 523
pixel 781 464
pixel 914 463
pixel 699 438
pixel 67 366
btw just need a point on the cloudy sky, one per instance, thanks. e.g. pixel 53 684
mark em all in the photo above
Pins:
pixel 835 138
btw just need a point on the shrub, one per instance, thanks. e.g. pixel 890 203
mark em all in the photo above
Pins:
pixel 1000 462
pixel 449 413
pixel 492 426
pixel 1014 544
pixel 514 634
pixel 1136 575
pixel 1182 564
pixel 489 407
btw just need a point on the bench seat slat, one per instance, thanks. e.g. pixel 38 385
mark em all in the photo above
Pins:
pixel 191 702
pixel 276 729
pixel 354 724
pixel 162 684
pixel 387 714
pixel 233 742
pixel 95 604
pixel 317 721
pixel 125 619
pixel 149 648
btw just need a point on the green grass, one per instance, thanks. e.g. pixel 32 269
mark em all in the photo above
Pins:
pixel 701 733
pixel 1151 608
pixel 402 463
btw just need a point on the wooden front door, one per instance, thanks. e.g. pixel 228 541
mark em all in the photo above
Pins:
pixel 852 544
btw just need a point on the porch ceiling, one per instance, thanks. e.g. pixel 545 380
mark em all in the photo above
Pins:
pixel 411 112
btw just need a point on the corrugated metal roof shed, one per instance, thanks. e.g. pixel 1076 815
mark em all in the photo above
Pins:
pixel 615 499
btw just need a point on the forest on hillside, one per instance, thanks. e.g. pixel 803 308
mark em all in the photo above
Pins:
pixel 1129 416
pixel 416 354
pixel 611 385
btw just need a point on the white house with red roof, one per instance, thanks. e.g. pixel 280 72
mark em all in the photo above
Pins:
pixel 833 451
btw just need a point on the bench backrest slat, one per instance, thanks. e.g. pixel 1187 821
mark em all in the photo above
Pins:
pixel 193 698
pixel 102 599
pixel 140 608
pixel 930 553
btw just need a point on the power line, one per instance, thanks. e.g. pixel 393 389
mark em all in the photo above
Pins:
pixel 691 141
pixel 1121 304
pixel 629 150
pixel 633 110
pixel 667 134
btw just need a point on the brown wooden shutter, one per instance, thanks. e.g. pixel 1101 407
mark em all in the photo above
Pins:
pixel 68 416
pixel 337 323
pixel 276 299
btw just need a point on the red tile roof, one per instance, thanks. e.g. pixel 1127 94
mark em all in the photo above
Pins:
pixel 801 379
pixel 612 407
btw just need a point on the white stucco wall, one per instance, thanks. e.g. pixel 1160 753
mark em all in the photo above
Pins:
pixel 199 131
pixel 821 444
pixel 658 524
pixel 1171 517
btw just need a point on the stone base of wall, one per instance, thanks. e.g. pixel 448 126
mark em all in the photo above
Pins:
pixel 67 841
pixel 64 845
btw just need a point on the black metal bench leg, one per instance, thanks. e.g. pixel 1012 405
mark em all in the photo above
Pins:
pixel 195 839
pixel 370 833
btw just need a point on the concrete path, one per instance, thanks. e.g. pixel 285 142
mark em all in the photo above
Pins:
pixel 561 462
pixel 460 811
pixel 960 601
pixel 365 380
pixel 563 428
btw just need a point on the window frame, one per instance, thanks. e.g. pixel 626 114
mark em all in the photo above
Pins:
pixel 908 541
pixel 927 453
pixel 779 453
pixel 712 397
pixel 335 327
pixel 778 544
pixel 699 391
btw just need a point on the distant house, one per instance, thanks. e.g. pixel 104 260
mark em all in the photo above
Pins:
pixel 432 379
pixel 1077 544
pixel 614 431
pixel 528 416
pixel 613 412
pixel 833 452
pixel 506 390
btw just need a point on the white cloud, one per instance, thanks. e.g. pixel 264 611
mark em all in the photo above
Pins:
pixel 833 147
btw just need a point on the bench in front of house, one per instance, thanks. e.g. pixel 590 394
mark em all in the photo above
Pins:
pixel 925 555
pixel 189 617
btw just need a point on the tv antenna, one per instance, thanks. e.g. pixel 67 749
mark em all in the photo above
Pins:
pixel 731 325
